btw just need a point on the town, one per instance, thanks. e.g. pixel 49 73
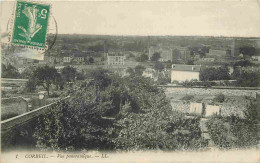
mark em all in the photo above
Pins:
pixel 196 82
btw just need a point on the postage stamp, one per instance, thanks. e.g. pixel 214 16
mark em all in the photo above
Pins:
pixel 30 24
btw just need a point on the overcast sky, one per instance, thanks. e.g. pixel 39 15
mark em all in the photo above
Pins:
pixel 215 18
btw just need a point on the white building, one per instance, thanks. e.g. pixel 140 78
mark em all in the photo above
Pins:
pixel 115 59
pixel 182 73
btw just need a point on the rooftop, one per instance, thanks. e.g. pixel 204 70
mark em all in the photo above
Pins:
pixel 181 67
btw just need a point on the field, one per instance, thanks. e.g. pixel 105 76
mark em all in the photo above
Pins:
pixel 234 103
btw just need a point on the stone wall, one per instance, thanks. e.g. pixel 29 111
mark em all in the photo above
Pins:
pixel 210 92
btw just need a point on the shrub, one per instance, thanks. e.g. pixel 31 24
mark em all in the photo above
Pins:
pixel 219 98
pixel 187 97
pixel 54 95
pixel 8 115
pixel 233 132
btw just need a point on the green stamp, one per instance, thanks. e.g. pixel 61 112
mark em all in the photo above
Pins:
pixel 30 24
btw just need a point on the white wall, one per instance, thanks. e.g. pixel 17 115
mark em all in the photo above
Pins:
pixel 183 75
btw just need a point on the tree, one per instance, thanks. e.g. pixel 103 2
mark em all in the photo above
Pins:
pixel 247 50
pixel 129 113
pixel 155 56
pixel 68 73
pixel 243 63
pixel 158 66
pixel 27 73
pixel 139 69
pixel 45 77
pixel 246 78
pixel 9 71
pixel 91 60
pixel 142 58
pixel 210 74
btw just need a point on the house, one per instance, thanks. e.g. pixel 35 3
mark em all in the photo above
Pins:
pixel 166 53
pixel 67 59
pixel 256 58
pixel 208 59
pixel 115 59
pixel 181 72
pixel 216 53
pixel 79 58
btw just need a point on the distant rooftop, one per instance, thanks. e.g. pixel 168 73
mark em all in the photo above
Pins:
pixel 181 67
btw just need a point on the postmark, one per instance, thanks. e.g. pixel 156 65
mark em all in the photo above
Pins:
pixel 30 24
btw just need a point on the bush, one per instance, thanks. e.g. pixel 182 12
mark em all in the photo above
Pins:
pixel 219 98
pixel 8 115
pixel 130 113
pixel 233 132
pixel 187 97
pixel 54 95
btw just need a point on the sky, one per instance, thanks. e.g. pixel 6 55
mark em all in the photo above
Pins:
pixel 185 18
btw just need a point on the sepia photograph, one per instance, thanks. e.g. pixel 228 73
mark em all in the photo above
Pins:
pixel 130 81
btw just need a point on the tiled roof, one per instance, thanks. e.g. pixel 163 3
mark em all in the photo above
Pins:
pixel 180 67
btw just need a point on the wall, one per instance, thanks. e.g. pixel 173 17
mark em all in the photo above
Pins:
pixel 210 92
pixel 183 75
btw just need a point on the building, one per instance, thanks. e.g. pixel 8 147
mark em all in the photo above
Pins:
pixel 256 58
pixel 67 59
pixel 181 73
pixel 115 59
pixel 208 59
pixel 217 53
pixel 166 53
pixel 79 58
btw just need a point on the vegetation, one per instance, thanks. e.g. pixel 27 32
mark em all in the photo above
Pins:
pixel 156 56
pixel 128 113
pixel 235 132
pixel 68 74
pixel 142 58
pixel 246 78
pixel 139 70
pixel 45 77
pixel 210 74
pixel 158 66
pixel 219 98
pixel 9 71
pixel 187 97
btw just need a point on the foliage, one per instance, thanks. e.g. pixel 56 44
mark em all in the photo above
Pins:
pixel 8 115
pixel 45 77
pixel 220 73
pixel 128 113
pixel 68 74
pixel 247 50
pixel 233 132
pixel 142 58
pixel 219 98
pixel 27 73
pixel 187 97
pixel 9 71
pixel 163 79
pixel 243 63
pixel 155 57
pixel 158 66
pixel 139 69
pixel 246 78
